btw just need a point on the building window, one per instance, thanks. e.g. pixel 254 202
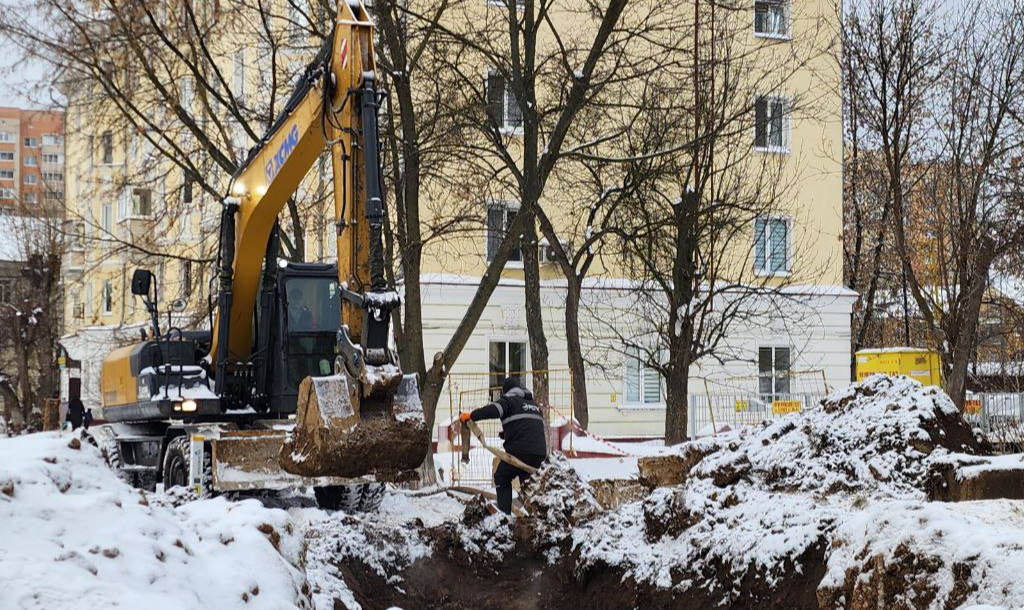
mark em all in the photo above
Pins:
pixel 29 179
pixel 107 217
pixel 31 142
pixel 53 159
pixel 29 198
pixel 771 124
pixel 142 202
pixel 31 160
pixel 6 174
pixel 108 297
pixel 107 145
pixel 239 76
pixel 6 288
pixel 296 24
pixel 502 105
pixel 642 381
pixel 506 358
pixel 6 136
pixel 50 139
pixel 773 371
pixel 54 179
pixel 771 18
pixel 499 217
pixel 186 280
pixel 7 193
pixel 7 155
pixel 771 246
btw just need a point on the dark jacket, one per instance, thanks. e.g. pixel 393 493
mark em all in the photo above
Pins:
pixel 521 420
pixel 76 412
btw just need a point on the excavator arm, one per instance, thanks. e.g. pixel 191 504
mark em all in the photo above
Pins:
pixel 366 418
pixel 334 105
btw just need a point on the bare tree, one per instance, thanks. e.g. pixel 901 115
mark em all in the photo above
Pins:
pixel 941 101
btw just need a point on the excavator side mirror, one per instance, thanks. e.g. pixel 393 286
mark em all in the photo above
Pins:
pixel 141 281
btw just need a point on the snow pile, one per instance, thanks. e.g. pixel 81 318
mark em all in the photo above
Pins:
pixel 702 536
pixel 880 435
pixel 557 500
pixel 72 535
pixel 923 555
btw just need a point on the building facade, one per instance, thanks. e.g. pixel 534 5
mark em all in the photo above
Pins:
pixel 806 341
pixel 31 161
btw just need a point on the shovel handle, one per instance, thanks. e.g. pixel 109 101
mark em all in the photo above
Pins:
pixel 502 455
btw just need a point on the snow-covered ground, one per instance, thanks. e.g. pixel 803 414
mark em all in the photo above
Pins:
pixel 74 536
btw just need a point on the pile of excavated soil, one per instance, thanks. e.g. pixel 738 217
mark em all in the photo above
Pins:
pixel 823 510
pixel 385 448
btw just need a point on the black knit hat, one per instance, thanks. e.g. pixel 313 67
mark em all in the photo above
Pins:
pixel 509 383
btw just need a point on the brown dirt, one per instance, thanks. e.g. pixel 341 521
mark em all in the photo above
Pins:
pixel 382 447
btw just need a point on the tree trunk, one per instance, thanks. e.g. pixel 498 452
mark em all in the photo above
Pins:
pixel 535 318
pixel 577 367
pixel 677 403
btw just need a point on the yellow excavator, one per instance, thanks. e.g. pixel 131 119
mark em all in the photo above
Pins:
pixel 297 385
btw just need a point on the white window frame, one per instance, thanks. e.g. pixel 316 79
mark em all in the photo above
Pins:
pixel 6 174
pixel 30 198
pixel 511 209
pixel 6 155
pixel 508 98
pixel 757 366
pixel 6 137
pixel 507 339
pixel 107 217
pixel 787 7
pixel 787 124
pixel 643 371
pixel 107 298
pixel 766 270
pixel 31 161
pixel 31 142
pixel 54 139
pixel 54 159
pixel 238 75
pixel 29 179
pixel 7 193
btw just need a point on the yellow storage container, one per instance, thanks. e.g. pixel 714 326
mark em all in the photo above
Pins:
pixel 920 364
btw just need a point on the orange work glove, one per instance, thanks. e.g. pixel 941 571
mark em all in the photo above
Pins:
pixel 464 417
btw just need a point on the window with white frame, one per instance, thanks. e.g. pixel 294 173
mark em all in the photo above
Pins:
pixel 50 139
pixel 7 193
pixel 772 246
pixel 771 18
pixel 641 381
pixel 30 198
pixel 31 142
pixel 54 179
pixel 774 368
pixel 31 160
pixel 771 123
pixel 6 155
pixel 107 145
pixel 239 75
pixel 108 297
pixel 501 103
pixel 6 136
pixel 53 159
pixel 6 174
pixel 296 23
pixel 142 202
pixel 505 358
pixel 499 218
pixel 29 179
pixel 107 216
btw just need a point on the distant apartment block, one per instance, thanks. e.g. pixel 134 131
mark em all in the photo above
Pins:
pixel 31 161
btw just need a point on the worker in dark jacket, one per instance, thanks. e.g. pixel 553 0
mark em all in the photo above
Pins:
pixel 76 413
pixel 524 431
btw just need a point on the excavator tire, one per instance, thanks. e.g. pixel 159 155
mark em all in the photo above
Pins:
pixel 177 461
pixel 360 498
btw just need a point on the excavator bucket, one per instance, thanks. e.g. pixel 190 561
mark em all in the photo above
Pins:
pixel 339 433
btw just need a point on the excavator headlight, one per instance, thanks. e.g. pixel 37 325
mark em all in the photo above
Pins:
pixel 239 189
pixel 188 405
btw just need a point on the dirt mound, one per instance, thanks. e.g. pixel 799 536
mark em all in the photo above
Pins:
pixel 773 516
pixel 877 436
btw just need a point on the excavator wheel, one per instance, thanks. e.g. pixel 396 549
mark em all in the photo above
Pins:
pixel 360 498
pixel 177 460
